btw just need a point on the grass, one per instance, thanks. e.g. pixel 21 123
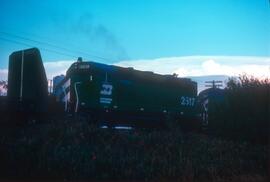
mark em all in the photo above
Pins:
pixel 74 150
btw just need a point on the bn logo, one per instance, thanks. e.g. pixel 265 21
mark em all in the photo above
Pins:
pixel 106 89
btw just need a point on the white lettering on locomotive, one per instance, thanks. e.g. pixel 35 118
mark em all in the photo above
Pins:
pixel 105 100
pixel 187 101
pixel 106 89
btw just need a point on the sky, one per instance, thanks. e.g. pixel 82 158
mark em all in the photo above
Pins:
pixel 188 37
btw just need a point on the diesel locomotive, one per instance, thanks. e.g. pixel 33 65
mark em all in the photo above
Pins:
pixel 117 94
pixel 102 92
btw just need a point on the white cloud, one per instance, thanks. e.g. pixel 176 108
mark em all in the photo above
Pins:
pixel 55 68
pixel 204 65
pixel 183 66
pixel 3 74
pixel 52 69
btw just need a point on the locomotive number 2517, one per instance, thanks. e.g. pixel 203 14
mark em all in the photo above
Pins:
pixel 187 101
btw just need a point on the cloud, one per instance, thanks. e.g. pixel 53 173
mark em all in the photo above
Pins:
pixel 183 66
pixel 52 69
pixel 3 74
pixel 204 65
pixel 55 68
pixel 205 68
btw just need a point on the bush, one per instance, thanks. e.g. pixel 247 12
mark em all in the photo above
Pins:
pixel 244 114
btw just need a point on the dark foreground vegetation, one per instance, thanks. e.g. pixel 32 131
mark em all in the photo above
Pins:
pixel 245 112
pixel 69 148
pixel 74 150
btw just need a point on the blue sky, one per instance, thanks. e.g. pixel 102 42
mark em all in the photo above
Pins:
pixel 112 31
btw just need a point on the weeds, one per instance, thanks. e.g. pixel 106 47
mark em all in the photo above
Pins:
pixel 76 150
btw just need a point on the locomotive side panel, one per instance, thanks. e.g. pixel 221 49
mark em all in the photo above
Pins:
pixel 103 87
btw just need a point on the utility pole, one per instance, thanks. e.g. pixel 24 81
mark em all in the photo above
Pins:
pixel 214 84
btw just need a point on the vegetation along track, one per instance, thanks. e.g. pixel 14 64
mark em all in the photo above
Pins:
pixel 65 148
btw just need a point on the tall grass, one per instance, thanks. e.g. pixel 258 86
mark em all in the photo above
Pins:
pixel 74 150
pixel 245 112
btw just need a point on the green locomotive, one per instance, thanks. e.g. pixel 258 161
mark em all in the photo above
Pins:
pixel 117 94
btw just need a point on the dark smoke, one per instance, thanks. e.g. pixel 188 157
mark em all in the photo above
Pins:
pixel 99 36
